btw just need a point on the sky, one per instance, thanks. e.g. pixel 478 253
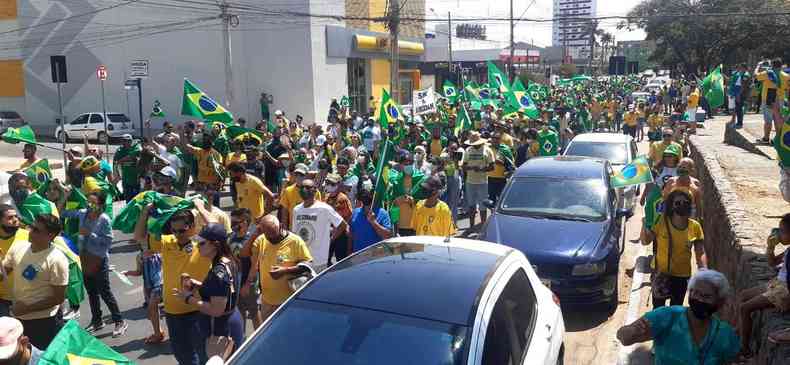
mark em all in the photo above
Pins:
pixel 537 33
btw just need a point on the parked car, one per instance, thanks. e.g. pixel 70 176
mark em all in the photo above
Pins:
pixel 92 124
pixel 617 148
pixel 416 300
pixel 561 213
pixel 10 119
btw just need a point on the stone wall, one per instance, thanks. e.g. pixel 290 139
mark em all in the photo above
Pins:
pixel 732 248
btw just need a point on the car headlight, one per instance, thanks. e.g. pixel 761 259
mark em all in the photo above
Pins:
pixel 594 268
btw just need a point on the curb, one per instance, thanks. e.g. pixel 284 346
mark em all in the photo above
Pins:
pixel 743 139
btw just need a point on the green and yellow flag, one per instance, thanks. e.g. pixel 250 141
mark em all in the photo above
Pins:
pixel 156 110
pixel 39 173
pixel 383 173
pixel 345 102
pixel 164 208
pixel 463 122
pixel 235 132
pixel 196 103
pixel 450 91
pixel 22 134
pixel 713 88
pixel 518 99
pixel 74 346
pixel 636 172
pixel 35 205
pixel 389 111
pixel 497 80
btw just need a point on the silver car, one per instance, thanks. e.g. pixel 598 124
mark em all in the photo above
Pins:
pixel 618 149
pixel 10 119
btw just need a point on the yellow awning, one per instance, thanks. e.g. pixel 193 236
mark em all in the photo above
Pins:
pixel 367 43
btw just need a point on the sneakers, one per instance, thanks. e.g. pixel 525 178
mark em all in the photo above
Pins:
pixel 93 327
pixel 72 314
pixel 120 329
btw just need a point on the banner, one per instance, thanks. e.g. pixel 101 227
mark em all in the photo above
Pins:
pixel 424 101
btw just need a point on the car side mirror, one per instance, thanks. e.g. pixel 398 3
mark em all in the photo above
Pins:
pixel 624 213
pixel 488 203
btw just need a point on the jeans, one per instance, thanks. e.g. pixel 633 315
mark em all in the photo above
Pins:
pixel 677 292
pixel 187 340
pixel 98 285
pixel 453 197
pixel 42 331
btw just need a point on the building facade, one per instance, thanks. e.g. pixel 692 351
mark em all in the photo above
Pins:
pixel 300 61
pixel 571 29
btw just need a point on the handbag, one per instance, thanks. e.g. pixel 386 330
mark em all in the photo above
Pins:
pixel 660 286
pixel 221 346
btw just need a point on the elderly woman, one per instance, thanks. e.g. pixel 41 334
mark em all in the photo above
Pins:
pixel 689 335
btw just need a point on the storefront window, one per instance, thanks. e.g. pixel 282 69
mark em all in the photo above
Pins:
pixel 357 81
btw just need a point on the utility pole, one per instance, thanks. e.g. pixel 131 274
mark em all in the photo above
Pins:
pixel 450 44
pixel 226 19
pixel 511 71
pixel 394 22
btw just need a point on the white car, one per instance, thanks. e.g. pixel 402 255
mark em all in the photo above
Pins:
pixel 416 300
pixel 619 149
pixel 92 124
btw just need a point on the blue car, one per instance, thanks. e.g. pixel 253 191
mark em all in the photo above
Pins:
pixel 561 213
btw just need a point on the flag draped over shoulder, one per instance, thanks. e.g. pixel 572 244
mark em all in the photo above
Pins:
pixel 496 79
pixel 74 346
pixel 196 103
pixel 389 111
pixel 164 208
pixel 39 174
pixel 22 134
pixel 636 172
pixel 713 88
pixel 383 173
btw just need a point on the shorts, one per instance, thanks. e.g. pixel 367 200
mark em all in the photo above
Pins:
pixel 475 195
pixel 776 292
pixel 155 291
pixel 768 114
pixel 248 305
pixel 784 182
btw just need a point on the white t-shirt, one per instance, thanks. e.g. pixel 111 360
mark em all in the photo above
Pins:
pixel 174 161
pixel 371 137
pixel 314 225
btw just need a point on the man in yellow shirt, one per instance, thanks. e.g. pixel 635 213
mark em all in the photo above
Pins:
pixel 251 193
pixel 278 259
pixel 10 233
pixel 774 91
pixel 432 216
pixel 691 107
pixel 290 196
pixel 630 122
pixel 208 159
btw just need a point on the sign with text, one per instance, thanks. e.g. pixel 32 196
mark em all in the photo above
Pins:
pixel 138 69
pixel 424 101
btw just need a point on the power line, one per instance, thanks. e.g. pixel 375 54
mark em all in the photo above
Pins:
pixel 69 17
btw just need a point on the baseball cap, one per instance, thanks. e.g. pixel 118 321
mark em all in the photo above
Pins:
pixel 214 232
pixel 278 113
pixel 333 178
pixel 10 331
pixel 300 168
pixel 169 172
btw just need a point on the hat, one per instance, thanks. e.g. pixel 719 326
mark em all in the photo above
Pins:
pixel 214 232
pixel 126 137
pixel 673 150
pixel 300 168
pixel 278 113
pixel 333 178
pixel 432 183
pixel 320 140
pixel 10 331
pixel 89 163
pixel 77 150
pixel 475 139
pixel 169 172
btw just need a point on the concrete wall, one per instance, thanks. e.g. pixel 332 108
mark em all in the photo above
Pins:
pixel 732 248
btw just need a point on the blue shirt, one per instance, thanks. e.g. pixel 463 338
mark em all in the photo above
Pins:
pixel 362 231
pixel 673 343
pixel 99 240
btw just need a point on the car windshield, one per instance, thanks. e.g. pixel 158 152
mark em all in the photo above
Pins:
pixel 583 199
pixel 118 118
pixel 9 115
pixel 308 332
pixel 615 153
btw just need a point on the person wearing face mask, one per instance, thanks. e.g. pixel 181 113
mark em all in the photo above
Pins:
pixel 10 233
pixel 349 181
pixel 291 197
pixel 420 162
pixel 404 182
pixel 657 148
pixel 317 223
pixel 651 198
pixel 209 160
pixel 95 241
pixel 242 236
pixel 252 194
pixel 337 199
pixel 15 347
pixel 675 234
pixel 280 254
pixel 689 335
pixel 432 216
pixel 686 182
pixel 368 225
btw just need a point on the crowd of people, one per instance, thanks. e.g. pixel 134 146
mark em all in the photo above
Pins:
pixel 304 196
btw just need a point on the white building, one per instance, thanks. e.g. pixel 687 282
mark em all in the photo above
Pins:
pixel 570 29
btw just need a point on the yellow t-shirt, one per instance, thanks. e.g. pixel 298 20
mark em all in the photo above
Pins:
pixel 34 274
pixel 175 261
pixel 249 194
pixel 657 151
pixel 630 119
pixel 6 285
pixel 235 157
pixel 693 101
pixel 406 208
pixel 289 252
pixel 768 84
pixel 436 147
pixel 206 174
pixel 682 244
pixel 655 121
pixel 508 140
pixel 25 164
pixel 436 221
pixel 499 167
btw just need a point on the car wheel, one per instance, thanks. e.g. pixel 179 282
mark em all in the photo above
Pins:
pixel 102 138
pixel 62 137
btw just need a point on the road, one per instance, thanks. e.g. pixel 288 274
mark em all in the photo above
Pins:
pixel 590 337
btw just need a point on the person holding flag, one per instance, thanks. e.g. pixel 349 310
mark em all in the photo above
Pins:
pixel 504 165
pixel 126 165
pixel 548 141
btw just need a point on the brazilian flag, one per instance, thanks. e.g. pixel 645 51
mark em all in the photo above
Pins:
pixel 22 134
pixel 74 346
pixel 383 173
pixel 782 144
pixel 196 103
pixel 497 80
pixel 450 91
pixel 636 172
pixel 389 111
pixel 235 132
pixel 39 173
pixel 164 208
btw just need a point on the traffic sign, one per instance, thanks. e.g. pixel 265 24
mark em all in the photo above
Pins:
pixel 138 69
pixel 101 72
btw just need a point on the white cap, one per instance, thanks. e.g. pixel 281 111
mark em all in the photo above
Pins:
pixel 278 112
pixel 169 172
pixel 10 331
pixel 320 140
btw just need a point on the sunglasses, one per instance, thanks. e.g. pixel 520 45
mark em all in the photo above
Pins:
pixel 681 202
